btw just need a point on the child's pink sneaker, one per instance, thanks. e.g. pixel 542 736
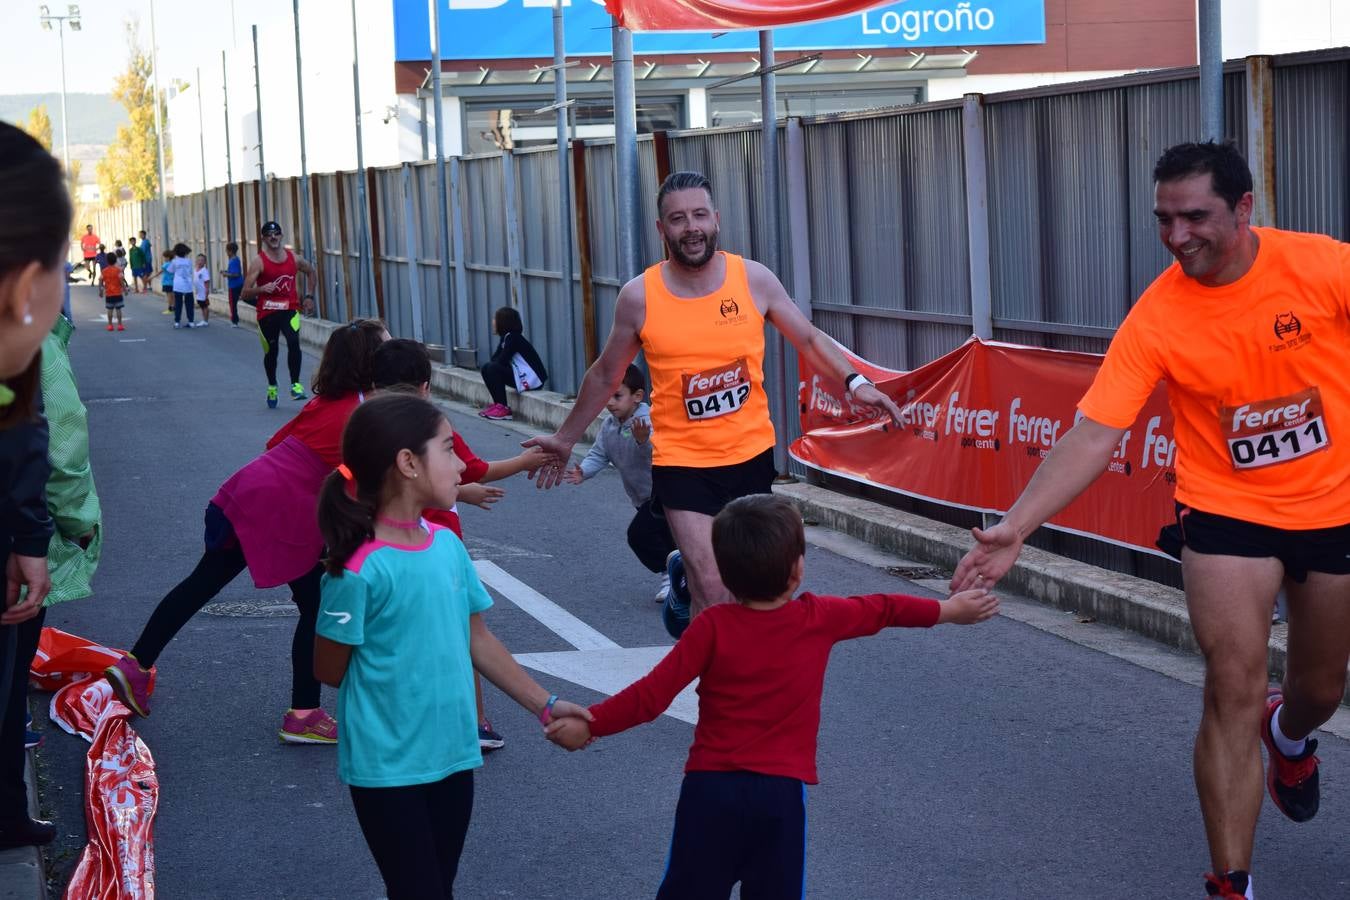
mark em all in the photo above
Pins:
pixel 497 411
pixel 316 728
pixel 132 684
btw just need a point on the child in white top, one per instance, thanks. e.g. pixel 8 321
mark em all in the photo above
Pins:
pixel 201 284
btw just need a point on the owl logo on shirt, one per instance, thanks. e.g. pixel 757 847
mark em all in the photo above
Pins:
pixel 1287 326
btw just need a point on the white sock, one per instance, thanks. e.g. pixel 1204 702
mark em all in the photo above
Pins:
pixel 1290 748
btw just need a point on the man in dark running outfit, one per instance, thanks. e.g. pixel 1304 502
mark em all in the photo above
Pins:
pixel 271 285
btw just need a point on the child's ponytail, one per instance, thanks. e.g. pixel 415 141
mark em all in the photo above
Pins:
pixel 345 521
pixel 377 430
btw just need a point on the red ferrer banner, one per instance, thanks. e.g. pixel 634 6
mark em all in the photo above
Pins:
pixel 711 15
pixel 976 423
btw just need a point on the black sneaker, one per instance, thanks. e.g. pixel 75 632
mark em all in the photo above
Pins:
pixel 1231 886
pixel 675 609
pixel 1292 783
pixel 489 740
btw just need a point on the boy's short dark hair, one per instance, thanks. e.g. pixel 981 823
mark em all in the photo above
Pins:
pixel 1228 171
pixel 756 542
pixel 232 248
pixel 181 249
pixel 400 361
pixel 634 380
pixel 110 260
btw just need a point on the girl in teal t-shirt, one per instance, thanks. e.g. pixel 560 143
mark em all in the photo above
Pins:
pixel 399 635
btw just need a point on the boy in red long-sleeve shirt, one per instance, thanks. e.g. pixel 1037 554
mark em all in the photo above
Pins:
pixel 761 667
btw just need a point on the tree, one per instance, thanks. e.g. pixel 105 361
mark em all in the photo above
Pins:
pixel 39 125
pixel 132 160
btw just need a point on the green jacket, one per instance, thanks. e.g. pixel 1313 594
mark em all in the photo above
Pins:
pixel 71 497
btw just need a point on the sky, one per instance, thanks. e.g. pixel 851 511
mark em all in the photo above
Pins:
pixel 188 32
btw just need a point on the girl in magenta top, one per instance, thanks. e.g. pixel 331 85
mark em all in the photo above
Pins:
pixel 263 519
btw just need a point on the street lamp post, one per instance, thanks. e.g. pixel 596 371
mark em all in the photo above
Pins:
pixel 72 17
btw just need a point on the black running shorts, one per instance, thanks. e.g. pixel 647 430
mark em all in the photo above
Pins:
pixel 707 490
pixel 1324 550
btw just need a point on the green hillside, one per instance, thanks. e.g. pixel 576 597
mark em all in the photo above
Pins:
pixel 93 117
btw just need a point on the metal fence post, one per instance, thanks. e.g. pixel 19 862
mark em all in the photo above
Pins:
pixel 263 216
pixel 441 207
pixel 625 154
pixel 1211 70
pixel 799 236
pixel 465 350
pixel 977 216
pixel 512 232
pixel 1261 137
pixel 410 235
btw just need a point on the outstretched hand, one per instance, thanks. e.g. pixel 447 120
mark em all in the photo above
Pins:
pixel 871 395
pixel 995 551
pixel 574 475
pixel 968 607
pixel 480 495
pixel 557 452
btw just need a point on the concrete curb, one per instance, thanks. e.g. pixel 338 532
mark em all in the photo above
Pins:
pixel 1136 604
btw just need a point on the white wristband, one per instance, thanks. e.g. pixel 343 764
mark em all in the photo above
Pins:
pixel 852 379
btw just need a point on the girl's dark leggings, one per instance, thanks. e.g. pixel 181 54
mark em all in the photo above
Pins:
pixel 416 834
pixel 216 569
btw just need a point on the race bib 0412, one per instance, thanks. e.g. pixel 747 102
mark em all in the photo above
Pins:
pixel 717 392
pixel 1278 430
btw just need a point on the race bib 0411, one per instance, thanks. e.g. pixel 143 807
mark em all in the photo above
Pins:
pixel 1278 430
pixel 717 392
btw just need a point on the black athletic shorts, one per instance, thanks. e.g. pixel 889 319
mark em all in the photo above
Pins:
pixel 1324 550
pixel 707 490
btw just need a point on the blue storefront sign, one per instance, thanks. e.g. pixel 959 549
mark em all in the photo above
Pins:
pixel 507 29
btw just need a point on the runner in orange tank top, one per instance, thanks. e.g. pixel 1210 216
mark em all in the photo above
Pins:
pixel 699 317
pixel 1250 328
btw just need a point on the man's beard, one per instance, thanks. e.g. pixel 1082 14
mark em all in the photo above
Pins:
pixel 678 254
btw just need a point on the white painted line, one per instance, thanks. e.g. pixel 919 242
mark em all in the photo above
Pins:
pixel 131 340
pixel 610 671
pixel 549 614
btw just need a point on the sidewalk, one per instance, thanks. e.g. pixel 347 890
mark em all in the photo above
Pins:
pixel 22 875
pixel 1110 598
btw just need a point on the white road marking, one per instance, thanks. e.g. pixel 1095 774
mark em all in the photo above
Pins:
pixel 598 663
pixel 131 340
pixel 549 614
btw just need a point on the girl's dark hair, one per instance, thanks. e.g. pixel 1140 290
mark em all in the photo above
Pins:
pixel 377 430
pixel 400 361
pixel 507 321
pixel 35 211
pixel 181 249
pixel 232 247
pixel 35 218
pixel 756 541
pixel 344 367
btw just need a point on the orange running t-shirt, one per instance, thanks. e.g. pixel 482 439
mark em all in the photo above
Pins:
pixel 706 356
pixel 1256 378
pixel 89 245
pixel 112 281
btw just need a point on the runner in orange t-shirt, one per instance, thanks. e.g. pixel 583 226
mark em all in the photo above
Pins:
pixel 89 247
pixel 1250 329
pixel 699 318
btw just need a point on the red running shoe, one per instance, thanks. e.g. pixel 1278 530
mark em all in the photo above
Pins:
pixel 1292 783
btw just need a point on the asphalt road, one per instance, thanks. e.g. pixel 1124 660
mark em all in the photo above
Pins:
pixel 993 761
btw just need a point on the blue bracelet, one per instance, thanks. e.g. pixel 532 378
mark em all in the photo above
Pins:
pixel 546 713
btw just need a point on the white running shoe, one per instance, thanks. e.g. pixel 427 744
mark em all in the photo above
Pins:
pixel 664 588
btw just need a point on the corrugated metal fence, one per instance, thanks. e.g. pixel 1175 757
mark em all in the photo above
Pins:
pixel 881 251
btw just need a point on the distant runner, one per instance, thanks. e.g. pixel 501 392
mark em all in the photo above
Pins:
pixel 271 283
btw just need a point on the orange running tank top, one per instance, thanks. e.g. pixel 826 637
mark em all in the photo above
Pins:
pixel 706 356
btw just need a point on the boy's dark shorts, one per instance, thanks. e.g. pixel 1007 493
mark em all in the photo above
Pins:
pixel 112 302
pixel 168 290
pixel 1325 550
pixel 707 490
